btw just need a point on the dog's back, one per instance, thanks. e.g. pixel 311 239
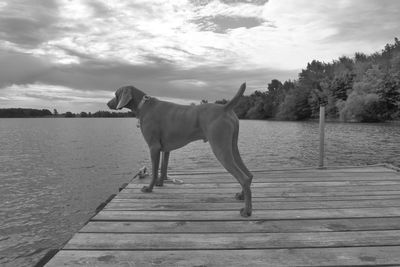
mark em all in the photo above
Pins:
pixel 177 125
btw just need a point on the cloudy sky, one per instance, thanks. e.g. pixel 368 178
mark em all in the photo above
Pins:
pixel 71 55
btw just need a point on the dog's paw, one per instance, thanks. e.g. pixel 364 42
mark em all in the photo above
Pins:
pixel 245 213
pixel 160 183
pixel 239 196
pixel 146 189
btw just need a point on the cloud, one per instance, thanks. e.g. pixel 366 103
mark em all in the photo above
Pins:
pixel 188 84
pixel 20 68
pixel 50 82
pixel 281 34
pixel 221 24
pixel 198 49
pixel 231 2
pixel 40 96
pixel 325 30
pixel 136 33
pixel 222 16
pixel 28 23
pixel 44 96
pixel 377 19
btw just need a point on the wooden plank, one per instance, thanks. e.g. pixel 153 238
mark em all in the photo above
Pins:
pixel 329 169
pixel 155 241
pixel 274 180
pixel 249 226
pixel 275 184
pixel 351 256
pixel 313 173
pixel 308 178
pixel 257 214
pixel 230 199
pixel 265 190
pixel 288 194
pixel 165 205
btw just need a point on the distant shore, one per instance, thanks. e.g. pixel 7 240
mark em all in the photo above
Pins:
pixel 44 113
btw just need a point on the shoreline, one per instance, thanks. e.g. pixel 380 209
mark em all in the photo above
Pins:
pixel 394 122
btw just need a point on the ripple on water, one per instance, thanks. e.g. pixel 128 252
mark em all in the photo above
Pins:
pixel 55 172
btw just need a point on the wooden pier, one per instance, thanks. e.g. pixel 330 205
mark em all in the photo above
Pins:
pixel 301 217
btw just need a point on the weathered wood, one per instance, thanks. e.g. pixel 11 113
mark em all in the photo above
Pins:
pixel 315 174
pixel 153 241
pixel 276 184
pixel 168 195
pixel 249 226
pixel 379 168
pixel 321 136
pixel 301 217
pixel 229 180
pixel 230 199
pixel 260 205
pixel 270 179
pixel 297 173
pixel 230 215
pixel 350 256
pixel 261 191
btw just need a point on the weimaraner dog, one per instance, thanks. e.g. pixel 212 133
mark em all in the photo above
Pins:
pixel 167 126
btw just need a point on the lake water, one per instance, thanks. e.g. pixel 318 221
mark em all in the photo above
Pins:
pixel 55 172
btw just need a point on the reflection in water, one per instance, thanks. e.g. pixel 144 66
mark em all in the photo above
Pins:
pixel 55 172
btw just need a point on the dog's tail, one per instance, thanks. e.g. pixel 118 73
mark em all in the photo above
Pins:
pixel 231 104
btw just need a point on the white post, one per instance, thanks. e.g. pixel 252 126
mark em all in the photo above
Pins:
pixel 321 136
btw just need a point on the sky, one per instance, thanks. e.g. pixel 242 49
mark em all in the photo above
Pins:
pixel 71 55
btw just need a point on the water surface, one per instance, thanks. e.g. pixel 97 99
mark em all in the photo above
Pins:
pixel 55 172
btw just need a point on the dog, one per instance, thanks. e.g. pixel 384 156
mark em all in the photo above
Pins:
pixel 168 126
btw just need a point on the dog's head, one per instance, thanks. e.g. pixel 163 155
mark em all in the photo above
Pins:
pixel 124 98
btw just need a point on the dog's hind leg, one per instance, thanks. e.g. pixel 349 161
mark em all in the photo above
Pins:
pixel 238 158
pixel 220 138
pixel 155 161
pixel 164 167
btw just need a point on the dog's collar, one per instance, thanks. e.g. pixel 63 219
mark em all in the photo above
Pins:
pixel 145 98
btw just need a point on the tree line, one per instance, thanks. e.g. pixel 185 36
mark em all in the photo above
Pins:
pixel 99 114
pixel 23 112
pixel 29 113
pixel 362 88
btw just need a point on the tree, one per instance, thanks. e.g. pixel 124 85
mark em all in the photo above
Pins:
pixel 338 90
pixel 23 113
pixel 389 94
pixel 256 111
pixel 361 88
pixel 274 98
pixel 295 105
pixel 69 114
pixel 310 80
pixel 360 57
pixel 364 103
pixel 221 102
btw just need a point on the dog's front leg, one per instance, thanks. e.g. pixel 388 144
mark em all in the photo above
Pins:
pixel 164 167
pixel 155 161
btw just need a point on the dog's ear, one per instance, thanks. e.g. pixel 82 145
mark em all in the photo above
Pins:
pixel 124 98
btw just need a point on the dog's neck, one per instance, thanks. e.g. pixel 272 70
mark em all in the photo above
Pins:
pixel 145 98
pixel 139 100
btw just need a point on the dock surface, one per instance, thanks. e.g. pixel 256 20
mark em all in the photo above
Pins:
pixel 304 217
